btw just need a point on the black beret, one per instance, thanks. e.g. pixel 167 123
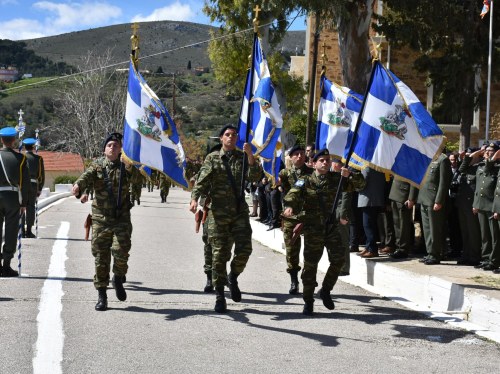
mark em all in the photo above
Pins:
pixel 493 145
pixel 116 136
pixel 223 130
pixel 295 148
pixel 321 152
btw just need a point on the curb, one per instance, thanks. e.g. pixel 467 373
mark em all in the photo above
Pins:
pixel 435 297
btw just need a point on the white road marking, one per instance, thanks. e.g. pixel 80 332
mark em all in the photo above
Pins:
pixel 50 342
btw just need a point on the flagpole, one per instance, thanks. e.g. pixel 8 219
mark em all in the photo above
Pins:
pixel 488 90
pixel 249 111
pixel 20 128
pixel 37 143
pixel 331 219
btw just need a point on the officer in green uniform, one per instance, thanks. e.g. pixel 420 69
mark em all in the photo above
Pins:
pixel 482 205
pixel 110 177
pixel 468 221
pixel 432 199
pixel 403 197
pixel 37 176
pixel 14 192
pixel 314 195
pixel 220 178
pixel 287 178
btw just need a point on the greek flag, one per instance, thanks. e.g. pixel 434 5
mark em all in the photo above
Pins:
pixel 338 112
pixel 265 116
pixel 150 136
pixel 272 167
pixel 396 133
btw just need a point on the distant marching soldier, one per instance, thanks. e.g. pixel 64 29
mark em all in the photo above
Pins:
pixel 14 191
pixel 37 177
pixel 315 195
pixel 287 178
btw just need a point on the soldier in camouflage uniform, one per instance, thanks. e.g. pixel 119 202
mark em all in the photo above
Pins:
pixel 136 188
pixel 220 179
pixel 110 216
pixel 14 191
pixel 287 178
pixel 164 188
pixel 37 176
pixel 315 195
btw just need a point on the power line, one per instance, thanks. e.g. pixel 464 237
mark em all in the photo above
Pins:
pixel 144 57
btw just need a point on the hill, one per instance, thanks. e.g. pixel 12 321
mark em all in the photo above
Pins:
pixel 173 44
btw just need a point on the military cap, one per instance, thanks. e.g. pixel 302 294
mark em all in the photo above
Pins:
pixel 114 136
pixel 321 152
pixel 295 148
pixel 223 130
pixel 8 132
pixel 29 141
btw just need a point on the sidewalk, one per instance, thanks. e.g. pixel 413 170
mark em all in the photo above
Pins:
pixel 459 295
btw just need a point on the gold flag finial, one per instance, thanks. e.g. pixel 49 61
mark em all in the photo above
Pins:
pixel 134 41
pixel 257 9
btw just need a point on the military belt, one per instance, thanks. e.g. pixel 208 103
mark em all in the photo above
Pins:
pixel 9 188
pixel 34 180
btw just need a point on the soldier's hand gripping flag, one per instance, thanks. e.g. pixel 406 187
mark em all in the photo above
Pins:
pixel 396 134
pixel 486 8
pixel 338 112
pixel 150 136
pixel 264 119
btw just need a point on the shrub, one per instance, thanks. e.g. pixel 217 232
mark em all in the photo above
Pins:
pixel 65 179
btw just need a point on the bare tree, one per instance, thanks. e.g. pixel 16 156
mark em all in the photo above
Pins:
pixel 91 105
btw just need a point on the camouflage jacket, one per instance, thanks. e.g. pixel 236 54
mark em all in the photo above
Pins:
pixel 213 180
pixel 103 203
pixel 289 176
pixel 315 194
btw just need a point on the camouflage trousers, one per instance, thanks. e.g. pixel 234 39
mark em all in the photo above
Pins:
pixel 136 192
pixel 110 237
pixel 292 251
pixel 224 230
pixel 316 238
pixel 207 249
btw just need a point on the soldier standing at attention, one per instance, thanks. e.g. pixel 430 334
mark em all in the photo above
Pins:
pixel 403 197
pixel 315 195
pixel 287 178
pixel 14 190
pixel 111 206
pixel 37 176
pixel 432 199
pixel 220 178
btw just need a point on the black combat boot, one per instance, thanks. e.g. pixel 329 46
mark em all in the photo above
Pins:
pixel 117 282
pixel 29 233
pixel 220 300
pixel 7 271
pixel 294 286
pixel 327 299
pixel 308 308
pixel 102 300
pixel 209 287
pixel 138 201
pixel 233 287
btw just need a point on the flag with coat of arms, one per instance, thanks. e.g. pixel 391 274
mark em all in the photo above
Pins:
pixel 338 113
pixel 396 134
pixel 150 136
pixel 260 111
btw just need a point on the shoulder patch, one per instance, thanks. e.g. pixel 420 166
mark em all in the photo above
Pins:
pixel 299 183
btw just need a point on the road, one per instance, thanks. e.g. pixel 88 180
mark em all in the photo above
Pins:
pixel 167 325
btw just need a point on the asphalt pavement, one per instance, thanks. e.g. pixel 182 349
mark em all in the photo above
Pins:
pixel 167 325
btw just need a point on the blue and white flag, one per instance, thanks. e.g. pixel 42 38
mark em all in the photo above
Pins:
pixel 272 167
pixel 150 136
pixel 396 133
pixel 265 115
pixel 338 112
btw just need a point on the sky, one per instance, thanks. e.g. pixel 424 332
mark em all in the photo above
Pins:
pixel 23 19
